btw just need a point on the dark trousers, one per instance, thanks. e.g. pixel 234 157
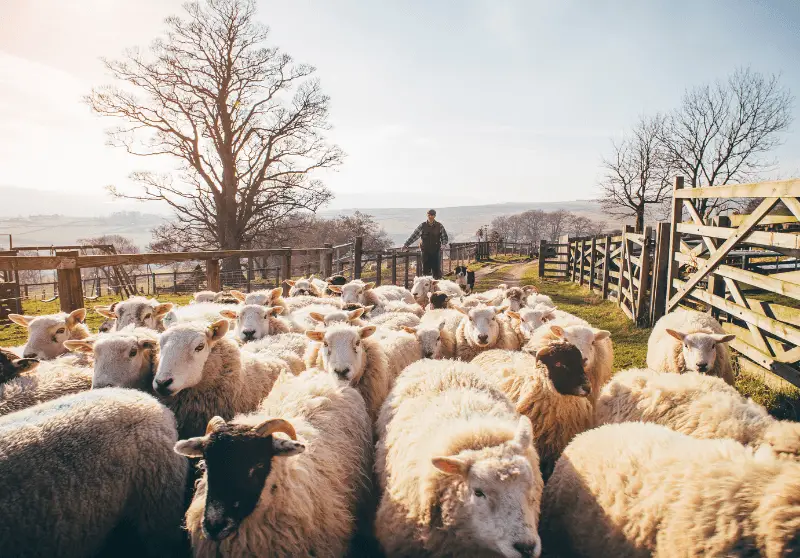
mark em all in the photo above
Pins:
pixel 430 264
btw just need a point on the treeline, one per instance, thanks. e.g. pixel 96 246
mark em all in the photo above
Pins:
pixel 535 225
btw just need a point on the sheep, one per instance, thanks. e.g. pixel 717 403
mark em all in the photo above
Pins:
pixel 527 320
pixel 399 306
pixel 456 467
pixel 686 340
pixel 395 320
pixel 514 298
pixel 352 317
pixel 551 389
pixel 203 296
pixel 50 380
pixel 11 365
pixel 595 346
pixel 435 340
pixel 254 322
pixel 201 373
pixel 638 489
pixel 337 281
pixel 367 294
pixel 349 355
pixel 76 469
pixel 492 297
pixel 311 316
pixel 267 297
pixel 427 284
pixel 201 311
pixel 305 287
pixel 286 480
pixel 295 303
pixel 137 311
pixel 535 298
pixel 481 330
pixel 401 348
pixel 697 405
pixel 290 347
pixel 438 300
pixel 46 334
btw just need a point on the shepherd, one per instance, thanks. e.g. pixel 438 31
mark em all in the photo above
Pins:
pixel 432 238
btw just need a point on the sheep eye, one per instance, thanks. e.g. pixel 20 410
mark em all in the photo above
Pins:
pixel 147 316
pixel 325 343
pixel 686 345
pixel 60 330
pixel 479 493
pixel 439 338
pixel 358 343
pixel 132 353
pixel 199 348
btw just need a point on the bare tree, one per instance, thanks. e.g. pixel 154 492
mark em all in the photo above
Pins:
pixel 245 123
pixel 637 175
pixel 723 132
pixel 583 226
pixel 557 223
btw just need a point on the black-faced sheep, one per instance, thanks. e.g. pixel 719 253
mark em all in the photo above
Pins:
pixel 286 480
pixel 686 340
pixel 637 489
pixel 12 365
pixel 457 469
pixel 337 281
pixel 438 300
pixel 77 470
pixel 480 330
pixel 427 284
pixel 46 334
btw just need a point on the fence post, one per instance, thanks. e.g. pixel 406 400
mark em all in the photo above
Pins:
pixel 394 267
pixel 408 264
pixel 592 263
pixel 419 270
pixel 379 271
pixel 286 269
pixel 583 259
pixel 659 286
pixel 644 275
pixel 674 240
pixel 623 249
pixel 327 261
pixel 573 259
pixel 716 285
pixel 213 281
pixel 606 266
pixel 542 254
pixel 358 247
pixel 70 286
pixel 249 273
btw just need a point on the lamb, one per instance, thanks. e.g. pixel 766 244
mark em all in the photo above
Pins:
pixel 203 296
pixel 366 294
pixel 337 281
pixel 435 340
pixel 199 312
pixel 201 373
pixel 551 389
pixel 527 320
pixel 126 358
pixel 638 489
pixel 46 334
pixel 395 320
pixel 76 469
pixel 427 284
pixel 349 355
pixel 456 466
pixel 305 287
pixel 11 365
pixel 254 322
pixel 697 405
pixel 50 380
pixel 137 311
pixel 595 346
pixel 481 330
pixel 255 499
pixel 686 340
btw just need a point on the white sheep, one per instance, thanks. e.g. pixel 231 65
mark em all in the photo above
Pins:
pixel 200 312
pixel 352 317
pixel 697 405
pixel 527 320
pixel 686 340
pixel 352 357
pixel 427 284
pixel 136 311
pixel 202 373
pixel 306 287
pixel 456 466
pixel 203 296
pixel 266 297
pixel 401 347
pixel 435 340
pixel 595 346
pixel 286 480
pixel 50 380
pixel 395 320
pixel 638 489
pixel 46 334
pixel 254 322
pixel 480 330
pixel 76 470
pixel 289 347
pixel 367 294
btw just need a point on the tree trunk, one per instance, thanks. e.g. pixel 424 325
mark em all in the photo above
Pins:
pixel 640 219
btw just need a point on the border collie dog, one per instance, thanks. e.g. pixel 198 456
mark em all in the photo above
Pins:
pixel 465 279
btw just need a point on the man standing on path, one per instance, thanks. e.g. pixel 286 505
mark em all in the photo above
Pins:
pixel 433 238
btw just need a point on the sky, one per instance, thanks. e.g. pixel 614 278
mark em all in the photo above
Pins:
pixel 436 103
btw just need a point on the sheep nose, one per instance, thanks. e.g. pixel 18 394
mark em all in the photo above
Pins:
pixel 342 372
pixel 162 386
pixel 483 338
pixel 29 355
pixel 428 354
pixel 218 528
pixel 249 334
pixel 526 550
pixel 702 366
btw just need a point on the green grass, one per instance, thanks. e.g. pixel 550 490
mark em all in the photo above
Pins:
pixel 11 334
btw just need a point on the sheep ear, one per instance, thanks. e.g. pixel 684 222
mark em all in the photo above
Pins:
pixel 162 309
pixel 368 309
pixel 290 282
pixel 513 314
pixel 230 314
pixel 317 317
pixel 366 331
pixel 335 288
pixel 217 330
pixel 558 331
pixel 148 344
pixel 722 338
pixel 276 293
pixel 451 465
pixel 524 434
pixel 676 334
pixel 411 330
pixel 601 334
pixel 105 311
pixel 543 352
pixel 25 364
pixel 76 317
pixel 498 310
pixel 315 335
pixel 19 319
pixel 193 447
pixel 80 345
pixel 275 310
pixel 368 286
pixel 355 314
pixel 238 295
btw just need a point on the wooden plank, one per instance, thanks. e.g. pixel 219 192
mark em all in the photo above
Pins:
pixel 785 371
pixel 763 208
pixel 675 240
pixel 583 261
pixel 777 347
pixel 70 286
pixel 606 265
pixel 626 310
pixel 794 206
pixel 757 238
pixel 774 310
pixel 286 269
pixel 644 273
pixel 736 220
pixel 758 337
pixel 213 282
pixel 773 189
pixel 658 287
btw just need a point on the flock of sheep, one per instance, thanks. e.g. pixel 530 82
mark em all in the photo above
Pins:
pixel 349 419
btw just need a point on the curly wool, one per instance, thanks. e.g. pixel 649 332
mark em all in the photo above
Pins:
pixel 637 489
pixel 466 350
pixel 51 379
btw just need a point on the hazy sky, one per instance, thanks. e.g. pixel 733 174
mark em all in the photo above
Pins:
pixel 436 103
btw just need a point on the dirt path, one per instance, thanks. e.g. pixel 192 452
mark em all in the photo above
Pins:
pixel 510 274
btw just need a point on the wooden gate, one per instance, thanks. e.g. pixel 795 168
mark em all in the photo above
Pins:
pixel 634 275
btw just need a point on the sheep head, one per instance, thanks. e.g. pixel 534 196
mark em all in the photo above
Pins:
pixel 420 289
pixel 516 298
pixel 46 334
pixel 125 358
pixel 481 326
pixel 238 461
pixel 303 287
pixel 11 365
pixel 429 337
pixel 353 292
pixel 493 494
pixel 438 299
pixel 137 311
pixel 584 338
pixel 338 316
pixel 184 351
pixel 253 321
pixel 342 351
pixel 699 348
pixel 531 319
pixel 564 364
